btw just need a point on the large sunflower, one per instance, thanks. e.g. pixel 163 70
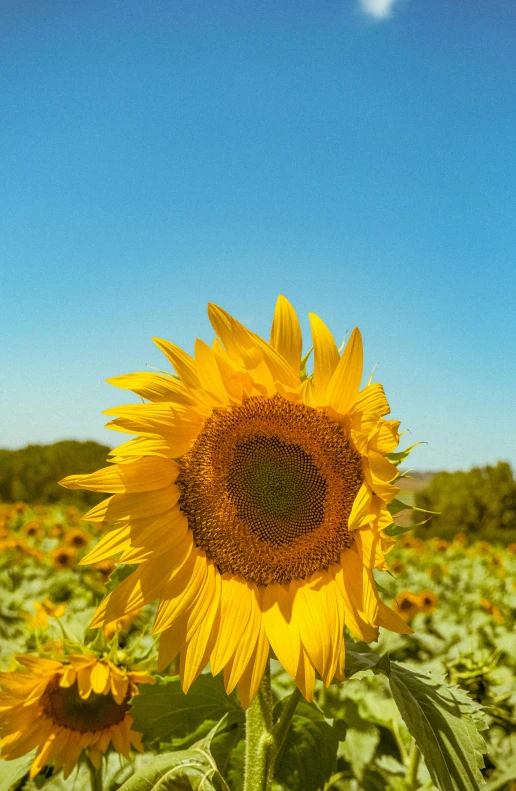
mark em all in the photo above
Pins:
pixel 254 501
pixel 65 708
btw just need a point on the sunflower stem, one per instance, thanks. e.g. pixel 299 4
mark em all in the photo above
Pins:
pixel 260 746
pixel 96 778
pixel 414 759
pixel 264 739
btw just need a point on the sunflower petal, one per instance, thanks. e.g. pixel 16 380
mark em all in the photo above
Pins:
pixel 343 386
pixel 326 356
pixel 286 335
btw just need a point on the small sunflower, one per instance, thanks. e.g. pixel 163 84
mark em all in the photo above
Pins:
pixel 407 604
pixel 254 501
pixel 428 602
pixel 33 529
pixel 66 708
pixel 44 610
pixel 64 557
pixel 105 568
pixel 57 530
pixel 77 538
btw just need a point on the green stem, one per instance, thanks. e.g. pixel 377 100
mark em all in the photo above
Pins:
pixel 96 777
pixel 413 766
pixel 263 739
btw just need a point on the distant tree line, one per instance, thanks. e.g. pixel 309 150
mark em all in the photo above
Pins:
pixel 480 503
pixel 31 474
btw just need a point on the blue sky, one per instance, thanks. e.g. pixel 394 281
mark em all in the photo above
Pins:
pixel 355 155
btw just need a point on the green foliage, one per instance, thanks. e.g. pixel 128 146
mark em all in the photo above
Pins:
pixel 12 772
pixel 480 502
pixel 164 714
pixel 441 719
pixel 309 754
pixel 30 474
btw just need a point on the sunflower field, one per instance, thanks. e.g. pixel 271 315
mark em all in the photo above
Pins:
pixel 249 609
pixel 351 737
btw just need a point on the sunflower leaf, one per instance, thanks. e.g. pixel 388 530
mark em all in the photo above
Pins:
pixel 440 717
pixel 163 713
pixel 309 753
pixel 396 506
pixel 176 771
pixel 11 772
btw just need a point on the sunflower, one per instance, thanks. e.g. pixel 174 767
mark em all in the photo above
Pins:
pixel 428 602
pixel 407 604
pixel 105 568
pixel 77 538
pixel 254 501
pixel 63 557
pixel 33 529
pixel 66 708
pixel 44 610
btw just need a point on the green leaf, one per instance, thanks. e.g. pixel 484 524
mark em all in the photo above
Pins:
pixel 502 776
pixel 176 771
pixel 224 736
pixel 362 739
pixel 398 530
pixel 11 772
pixel 309 753
pixel 72 627
pixel 440 717
pixel 395 506
pixel 163 713
pixel 400 456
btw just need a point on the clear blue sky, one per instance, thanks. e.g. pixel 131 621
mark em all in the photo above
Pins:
pixel 357 156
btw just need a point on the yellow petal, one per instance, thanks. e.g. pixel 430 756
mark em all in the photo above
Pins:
pixel 195 655
pixel 222 323
pixel 235 668
pixel 364 509
pixel 305 676
pixel 381 468
pixel 133 506
pixel 286 335
pixel 335 610
pixel 38 664
pixel 150 537
pixel 326 356
pixel 84 681
pixel 111 544
pixel 372 399
pixel 154 387
pixel 370 546
pixel 142 586
pixel 309 605
pixel 119 685
pixel 249 349
pixel 391 620
pixel 280 626
pixel 386 437
pixel 307 393
pixel 209 372
pixel 356 585
pixel 178 594
pixel 99 677
pixel 235 612
pixel 142 446
pixel 137 476
pixel 343 387
pixel 253 674
pixel 182 362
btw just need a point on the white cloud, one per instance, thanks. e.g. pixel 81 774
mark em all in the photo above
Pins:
pixel 379 9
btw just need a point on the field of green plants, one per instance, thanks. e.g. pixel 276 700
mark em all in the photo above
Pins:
pixel 458 596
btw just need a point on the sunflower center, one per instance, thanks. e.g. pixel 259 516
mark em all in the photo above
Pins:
pixel 268 487
pixel 65 707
